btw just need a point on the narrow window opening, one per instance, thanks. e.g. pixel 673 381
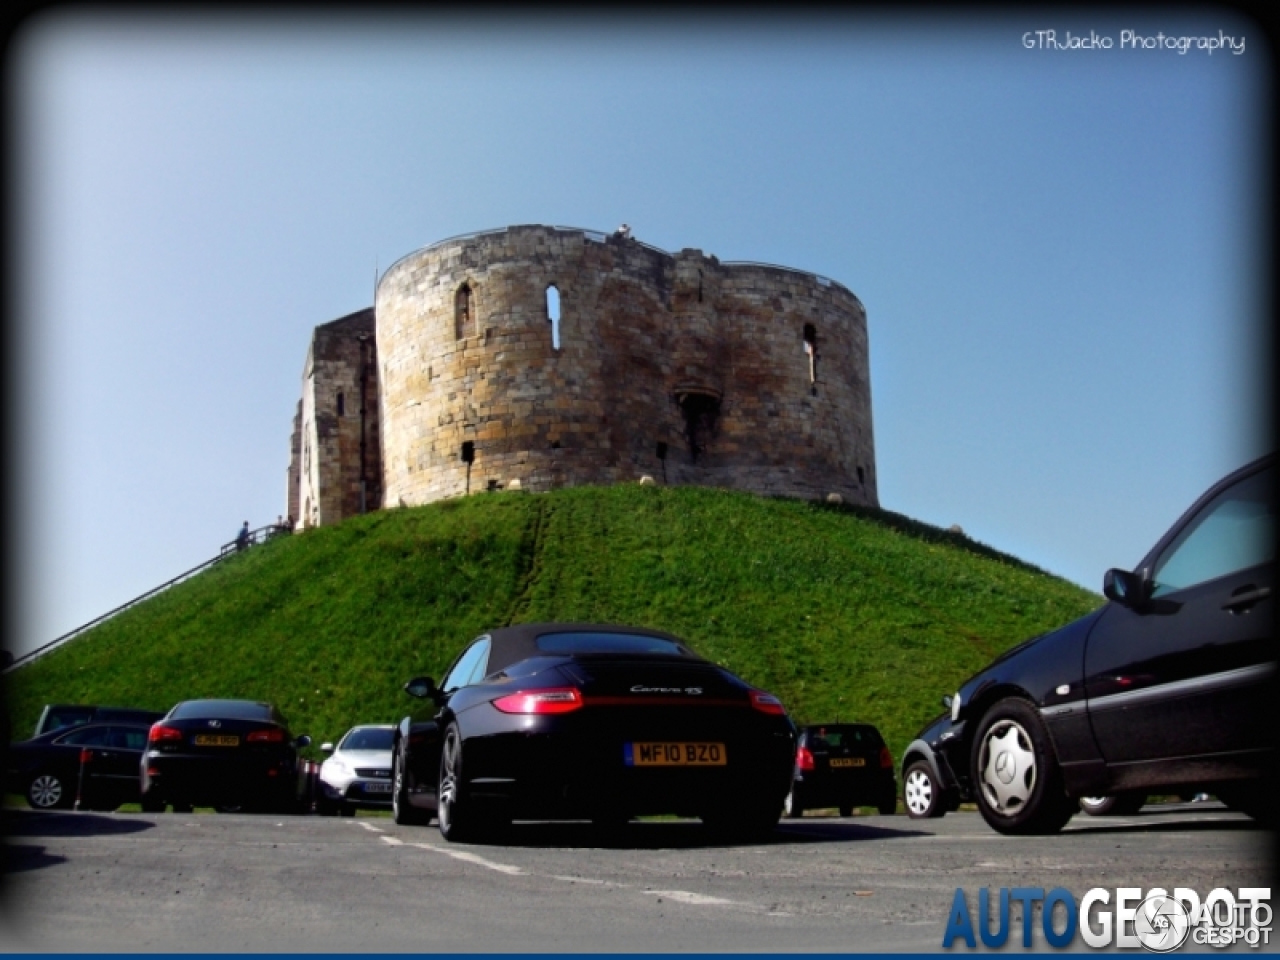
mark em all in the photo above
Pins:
pixel 861 478
pixel 662 450
pixel 468 451
pixel 699 286
pixel 701 413
pixel 553 315
pixel 811 350
pixel 342 405
pixel 463 309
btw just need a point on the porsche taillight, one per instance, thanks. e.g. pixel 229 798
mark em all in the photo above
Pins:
pixel 767 703
pixel 804 759
pixel 558 700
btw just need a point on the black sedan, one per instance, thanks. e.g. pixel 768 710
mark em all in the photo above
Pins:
pixel 1168 688
pixel 97 762
pixel 842 765
pixel 587 721
pixel 226 754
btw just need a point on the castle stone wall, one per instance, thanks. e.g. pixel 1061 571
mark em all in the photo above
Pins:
pixel 677 366
pixel 339 443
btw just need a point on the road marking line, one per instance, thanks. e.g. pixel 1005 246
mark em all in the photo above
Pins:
pixel 370 828
pixel 472 858
pixel 393 841
pixel 697 899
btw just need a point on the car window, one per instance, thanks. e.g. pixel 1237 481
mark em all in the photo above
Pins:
pixel 1234 531
pixel 68 717
pixel 90 737
pixel 224 710
pixel 129 739
pixel 368 738
pixel 465 670
pixel 582 642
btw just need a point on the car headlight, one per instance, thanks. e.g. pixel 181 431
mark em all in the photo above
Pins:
pixel 955 707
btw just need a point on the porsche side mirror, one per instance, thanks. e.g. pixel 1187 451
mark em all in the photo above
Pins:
pixel 421 687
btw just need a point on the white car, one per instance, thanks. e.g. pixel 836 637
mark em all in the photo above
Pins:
pixel 358 771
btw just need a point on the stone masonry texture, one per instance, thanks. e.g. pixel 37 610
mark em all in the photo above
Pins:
pixel 678 367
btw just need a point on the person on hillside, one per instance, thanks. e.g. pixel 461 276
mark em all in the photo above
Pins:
pixel 242 538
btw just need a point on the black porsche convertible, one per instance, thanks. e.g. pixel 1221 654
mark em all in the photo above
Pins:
pixel 559 721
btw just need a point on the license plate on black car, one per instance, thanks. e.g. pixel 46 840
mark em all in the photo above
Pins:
pixel 848 762
pixel 658 754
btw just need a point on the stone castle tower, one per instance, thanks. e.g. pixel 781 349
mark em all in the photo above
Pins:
pixel 540 357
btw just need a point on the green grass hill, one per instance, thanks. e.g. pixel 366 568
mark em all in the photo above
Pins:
pixel 842 612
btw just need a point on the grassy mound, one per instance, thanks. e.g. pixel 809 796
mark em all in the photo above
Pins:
pixel 843 612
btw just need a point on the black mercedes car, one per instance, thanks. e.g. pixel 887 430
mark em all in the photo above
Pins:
pixel 97 762
pixel 1166 688
pixel 585 721
pixel 841 765
pixel 226 754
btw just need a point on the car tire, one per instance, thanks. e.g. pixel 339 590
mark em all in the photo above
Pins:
pixel 846 811
pixel 1018 783
pixel 1119 805
pixel 459 818
pixel 189 808
pixel 792 809
pixel 888 807
pixel 49 791
pixel 347 810
pixel 151 804
pixel 921 792
pixel 402 812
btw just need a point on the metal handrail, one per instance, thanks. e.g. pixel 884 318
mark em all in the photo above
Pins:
pixel 261 535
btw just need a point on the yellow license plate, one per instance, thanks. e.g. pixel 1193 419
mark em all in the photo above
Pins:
pixel 849 762
pixel 675 755
pixel 215 740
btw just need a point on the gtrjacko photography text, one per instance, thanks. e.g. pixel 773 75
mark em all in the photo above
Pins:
pixel 1155 920
pixel 1131 40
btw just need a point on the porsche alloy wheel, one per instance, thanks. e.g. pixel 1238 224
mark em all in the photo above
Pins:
pixel 401 810
pixel 457 815
pixel 791 809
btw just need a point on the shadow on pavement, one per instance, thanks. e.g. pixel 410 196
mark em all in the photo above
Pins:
pixel 35 823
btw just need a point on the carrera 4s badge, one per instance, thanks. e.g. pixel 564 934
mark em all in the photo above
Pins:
pixel 691 691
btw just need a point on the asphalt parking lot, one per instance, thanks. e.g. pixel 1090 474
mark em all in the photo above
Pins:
pixel 103 882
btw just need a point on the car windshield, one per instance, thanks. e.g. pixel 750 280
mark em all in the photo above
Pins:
pixel 609 643
pixel 368 738
pixel 844 736
pixel 222 709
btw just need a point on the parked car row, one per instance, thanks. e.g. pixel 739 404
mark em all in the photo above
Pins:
pixel 227 754
pixel 1163 689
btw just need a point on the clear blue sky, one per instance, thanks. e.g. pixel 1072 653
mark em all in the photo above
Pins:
pixel 1062 252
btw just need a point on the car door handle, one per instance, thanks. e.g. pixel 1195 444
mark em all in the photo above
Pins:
pixel 1240 601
